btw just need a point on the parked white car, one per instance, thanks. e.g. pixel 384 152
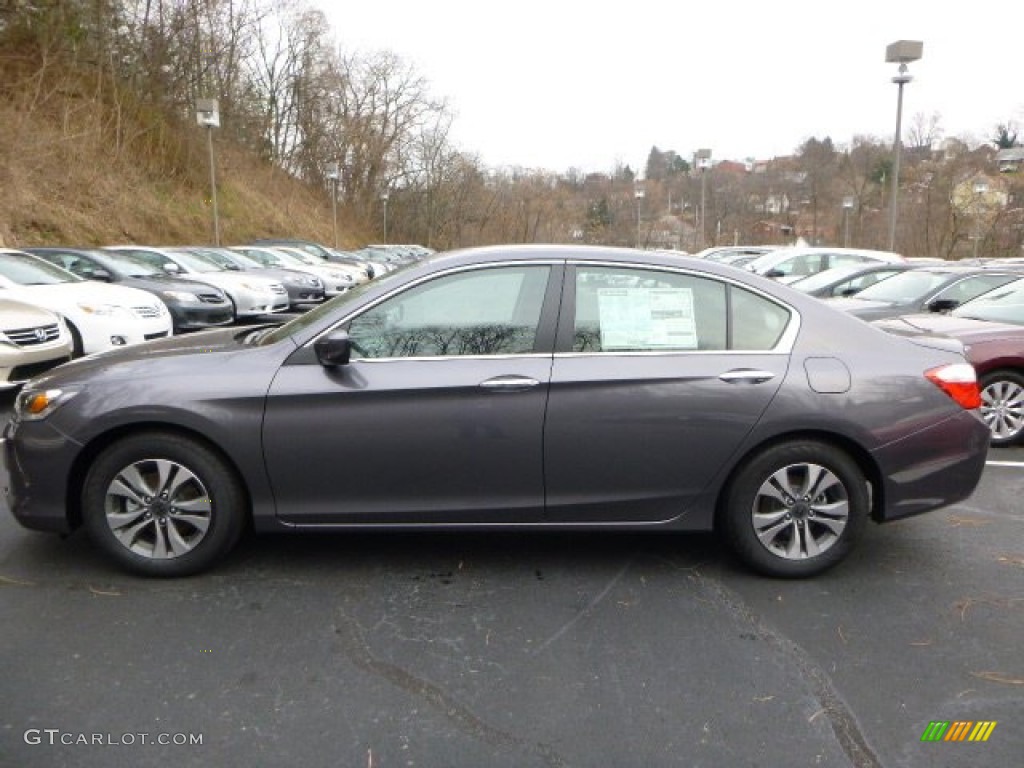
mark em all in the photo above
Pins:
pixel 790 264
pixel 336 280
pixel 32 341
pixel 251 295
pixel 99 316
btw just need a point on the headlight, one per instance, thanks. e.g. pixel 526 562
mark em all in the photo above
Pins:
pixel 104 310
pixel 179 295
pixel 37 404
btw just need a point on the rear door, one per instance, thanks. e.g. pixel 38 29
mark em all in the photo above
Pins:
pixel 657 378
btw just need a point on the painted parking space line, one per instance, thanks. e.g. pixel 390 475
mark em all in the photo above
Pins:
pixel 1004 463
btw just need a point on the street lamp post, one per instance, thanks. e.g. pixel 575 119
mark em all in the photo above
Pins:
pixel 847 207
pixel 208 116
pixel 703 164
pixel 980 190
pixel 333 174
pixel 638 193
pixel 901 52
pixel 384 199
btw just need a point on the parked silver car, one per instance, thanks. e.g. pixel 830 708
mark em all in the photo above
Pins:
pixel 513 386
pixel 32 341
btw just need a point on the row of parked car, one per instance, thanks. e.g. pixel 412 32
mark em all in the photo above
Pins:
pixel 62 302
pixel 977 303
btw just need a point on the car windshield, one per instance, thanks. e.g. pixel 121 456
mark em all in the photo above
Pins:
pixel 263 258
pixel 823 279
pixel 1003 305
pixel 195 262
pixel 909 286
pixel 24 269
pixel 130 266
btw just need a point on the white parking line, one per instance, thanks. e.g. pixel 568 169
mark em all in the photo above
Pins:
pixel 1004 463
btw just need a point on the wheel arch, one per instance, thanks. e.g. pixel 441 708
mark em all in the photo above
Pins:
pixel 92 449
pixel 863 459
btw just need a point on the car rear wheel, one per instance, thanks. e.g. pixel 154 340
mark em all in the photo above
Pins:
pixel 163 504
pixel 795 509
pixel 1002 406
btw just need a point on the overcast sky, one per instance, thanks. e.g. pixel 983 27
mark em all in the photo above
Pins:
pixel 556 84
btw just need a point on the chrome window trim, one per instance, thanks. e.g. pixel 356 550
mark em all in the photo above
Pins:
pixel 783 347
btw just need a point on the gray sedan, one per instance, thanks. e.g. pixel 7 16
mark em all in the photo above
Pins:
pixel 508 387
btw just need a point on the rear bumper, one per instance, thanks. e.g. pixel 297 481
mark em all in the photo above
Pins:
pixel 933 468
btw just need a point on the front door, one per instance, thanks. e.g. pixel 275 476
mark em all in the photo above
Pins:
pixel 437 418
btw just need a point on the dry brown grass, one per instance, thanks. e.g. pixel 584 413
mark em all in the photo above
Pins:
pixel 76 171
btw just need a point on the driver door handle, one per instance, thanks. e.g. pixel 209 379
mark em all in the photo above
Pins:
pixel 746 376
pixel 509 383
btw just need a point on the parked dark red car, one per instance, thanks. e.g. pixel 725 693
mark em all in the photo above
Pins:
pixel 991 328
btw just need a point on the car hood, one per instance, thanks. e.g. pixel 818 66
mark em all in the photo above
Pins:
pixel 966 329
pixel 855 306
pixel 215 347
pixel 17 314
pixel 164 283
pixel 229 280
pixel 65 297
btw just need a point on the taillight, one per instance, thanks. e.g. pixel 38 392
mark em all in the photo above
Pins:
pixel 959 381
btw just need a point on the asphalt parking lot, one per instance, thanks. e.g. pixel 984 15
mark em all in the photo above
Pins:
pixel 522 649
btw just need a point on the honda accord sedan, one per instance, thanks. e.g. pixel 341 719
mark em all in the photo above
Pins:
pixel 554 387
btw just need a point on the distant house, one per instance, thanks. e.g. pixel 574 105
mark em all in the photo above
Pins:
pixel 980 194
pixel 1010 160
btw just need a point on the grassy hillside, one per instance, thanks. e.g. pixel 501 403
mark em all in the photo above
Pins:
pixel 76 171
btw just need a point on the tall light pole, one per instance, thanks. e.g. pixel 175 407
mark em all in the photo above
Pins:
pixel 848 202
pixel 638 194
pixel 208 116
pixel 384 199
pixel 980 188
pixel 901 52
pixel 333 174
pixel 703 164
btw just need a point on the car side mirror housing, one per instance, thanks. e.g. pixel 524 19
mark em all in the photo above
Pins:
pixel 333 349
pixel 943 305
pixel 171 268
pixel 774 273
pixel 100 274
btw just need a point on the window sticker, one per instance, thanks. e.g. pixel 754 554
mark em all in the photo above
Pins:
pixel 646 318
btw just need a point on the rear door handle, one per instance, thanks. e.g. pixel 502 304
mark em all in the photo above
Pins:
pixel 509 383
pixel 746 376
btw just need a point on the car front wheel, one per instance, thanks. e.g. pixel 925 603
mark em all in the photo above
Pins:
pixel 162 504
pixel 1002 406
pixel 795 509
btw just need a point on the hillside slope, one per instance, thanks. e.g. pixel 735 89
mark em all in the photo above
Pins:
pixel 75 172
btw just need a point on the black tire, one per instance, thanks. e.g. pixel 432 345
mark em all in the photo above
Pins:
pixel 1002 407
pixel 77 350
pixel 203 529
pixel 801 534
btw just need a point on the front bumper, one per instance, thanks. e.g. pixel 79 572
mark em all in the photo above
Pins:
pixel 43 453
pixel 103 332
pixel 254 303
pixel 193 317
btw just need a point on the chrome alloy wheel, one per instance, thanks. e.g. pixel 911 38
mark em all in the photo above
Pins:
pixel 158 508
pixel 1002 408
pixel 800 511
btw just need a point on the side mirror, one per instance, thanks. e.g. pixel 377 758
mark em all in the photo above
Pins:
pixel 333 349
pixel 171 268
pixel 849 291
pixel 774 273
pixel 942 305
pixel 99 274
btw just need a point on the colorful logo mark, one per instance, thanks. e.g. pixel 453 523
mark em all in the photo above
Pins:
pixel 958 730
